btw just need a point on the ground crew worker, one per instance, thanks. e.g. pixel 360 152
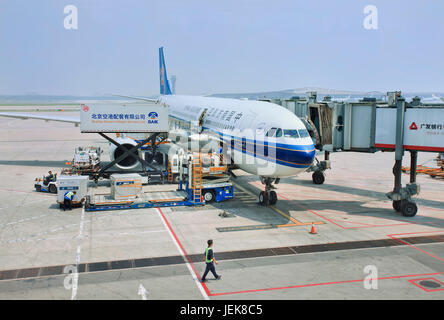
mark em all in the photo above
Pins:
pixel 210 260
pixel 67 199
pixel 50 177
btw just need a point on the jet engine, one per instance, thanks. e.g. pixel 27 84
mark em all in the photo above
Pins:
pixel 128 162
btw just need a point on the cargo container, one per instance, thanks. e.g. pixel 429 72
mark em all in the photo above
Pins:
pixel 78 184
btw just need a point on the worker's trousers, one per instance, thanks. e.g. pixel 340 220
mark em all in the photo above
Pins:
pixel 67 204
pixel 210 267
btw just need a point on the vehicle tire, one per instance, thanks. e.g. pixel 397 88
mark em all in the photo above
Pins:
pixel 38 188
pixel 397 205
pixel 409 209
pixel 318 177
pixel 273 197
pixel 176 178
pixel 209 196
pixel 52 188
pixel 263 198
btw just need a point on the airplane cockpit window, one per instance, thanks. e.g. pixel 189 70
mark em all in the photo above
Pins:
pixel 303 133
pixel 271 132
pixel 291 133
pixel 279 133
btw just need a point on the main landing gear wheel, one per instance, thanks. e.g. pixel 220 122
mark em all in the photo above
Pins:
pixel 318 177
pixel 263 199
pixel 273 197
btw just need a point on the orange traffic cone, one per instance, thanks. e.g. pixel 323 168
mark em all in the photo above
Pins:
pixel 313 231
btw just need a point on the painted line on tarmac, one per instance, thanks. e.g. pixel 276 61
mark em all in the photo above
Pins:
pixel 323 284
pixel 75 280
pixel 295 222
pixel 202 287
pixel 105 266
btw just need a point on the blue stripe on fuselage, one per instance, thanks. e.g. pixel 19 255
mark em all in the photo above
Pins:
pixel 291 155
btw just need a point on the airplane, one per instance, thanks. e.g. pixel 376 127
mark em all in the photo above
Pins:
pixel 259 137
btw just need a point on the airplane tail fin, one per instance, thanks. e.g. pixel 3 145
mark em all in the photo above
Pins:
pixel 164 83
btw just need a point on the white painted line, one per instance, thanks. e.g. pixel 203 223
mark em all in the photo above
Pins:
pixel 196 280
pixel 75 279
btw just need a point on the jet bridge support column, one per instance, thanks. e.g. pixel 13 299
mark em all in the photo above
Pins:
pixel 400 196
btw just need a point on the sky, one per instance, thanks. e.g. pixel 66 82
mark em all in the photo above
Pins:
pixel 220 46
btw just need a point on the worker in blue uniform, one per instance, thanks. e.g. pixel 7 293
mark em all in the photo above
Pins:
pixel 67 199
pixel 210 261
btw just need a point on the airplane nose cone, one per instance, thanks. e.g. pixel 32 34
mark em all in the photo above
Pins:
pixel 307 156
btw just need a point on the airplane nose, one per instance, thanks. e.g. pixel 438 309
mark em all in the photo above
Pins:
pixel 310 154
pixel 305 156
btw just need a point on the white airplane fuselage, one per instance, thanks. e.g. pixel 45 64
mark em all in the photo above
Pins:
pixel 240 127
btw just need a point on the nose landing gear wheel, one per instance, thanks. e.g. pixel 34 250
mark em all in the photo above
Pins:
pixel 409 209
pixel 397 205
pixel 318 177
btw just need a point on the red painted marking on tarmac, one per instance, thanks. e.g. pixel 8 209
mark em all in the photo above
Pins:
pixel 413 281
pixel 323 284
pixel 415 247
pixel 185 252
pixel 344 227
pixel 310 284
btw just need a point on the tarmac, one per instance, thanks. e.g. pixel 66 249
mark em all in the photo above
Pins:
pixel 362 248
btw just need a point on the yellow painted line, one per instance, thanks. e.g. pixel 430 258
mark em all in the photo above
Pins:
pixel 295 222
pixel 286 215
pixel 298 224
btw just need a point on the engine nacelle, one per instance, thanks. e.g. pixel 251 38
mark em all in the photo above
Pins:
pixel 128 162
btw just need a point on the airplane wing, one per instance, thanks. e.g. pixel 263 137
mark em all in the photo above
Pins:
pixel 137 98
pixel 73 119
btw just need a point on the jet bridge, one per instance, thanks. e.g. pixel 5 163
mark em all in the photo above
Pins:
pixel 369 126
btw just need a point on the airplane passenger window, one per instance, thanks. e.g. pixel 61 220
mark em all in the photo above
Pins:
pixel 279 133
pixel 291 133
pixel 303 133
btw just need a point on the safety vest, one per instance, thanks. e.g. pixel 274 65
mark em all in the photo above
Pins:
pixel 69 195
pixel 206 255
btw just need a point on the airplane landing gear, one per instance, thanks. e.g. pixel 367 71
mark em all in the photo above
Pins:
pixel 269 196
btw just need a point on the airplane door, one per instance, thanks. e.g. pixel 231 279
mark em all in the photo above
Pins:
pixel 201 120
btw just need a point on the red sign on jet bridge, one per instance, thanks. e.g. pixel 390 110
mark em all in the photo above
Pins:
pixel 413 126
